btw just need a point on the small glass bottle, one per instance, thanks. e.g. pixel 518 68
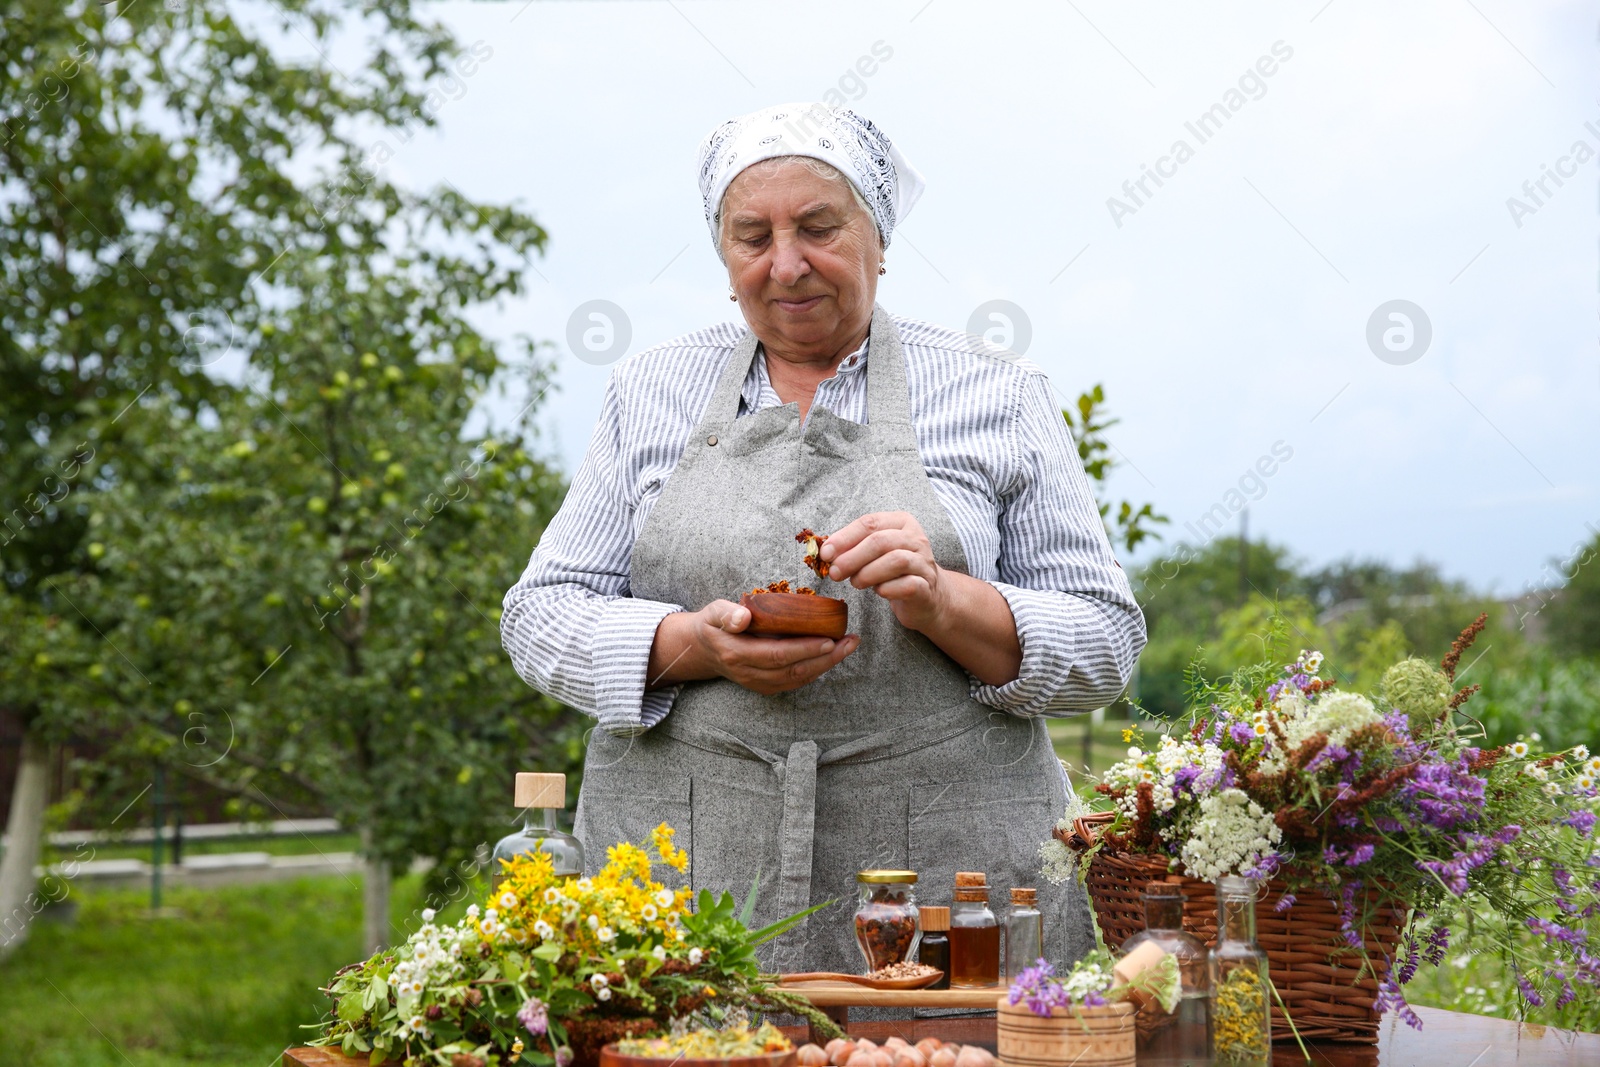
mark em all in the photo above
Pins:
pixel 1183 1037
pixel 545 794
pixel 1241 1014
pixel 1024 932
pixel 974 934
pixel 886 923
pixel 934 949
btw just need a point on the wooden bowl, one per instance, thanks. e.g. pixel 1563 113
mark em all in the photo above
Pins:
pixel 795 615
pixel 610 1057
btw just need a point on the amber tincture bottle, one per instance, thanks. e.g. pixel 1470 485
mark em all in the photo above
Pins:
pixel 974 934
pixel 934 951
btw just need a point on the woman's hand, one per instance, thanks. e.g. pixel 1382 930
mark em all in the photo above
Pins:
pixel 970 620
pixel 889 553
pixel 711 643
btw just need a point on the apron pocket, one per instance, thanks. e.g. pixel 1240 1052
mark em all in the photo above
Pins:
pixel 617 807
pixel 994 825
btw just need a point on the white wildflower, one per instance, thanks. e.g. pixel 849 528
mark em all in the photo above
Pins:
pixel 605 934
pixel 648 913
pixel 695 956
pixel 508 900
pixel 1228 835
pixel 543 930
pixel 604 994
pixel 428 913
pixel 1520 749
pixel 660 953
pixel 599 981
pixel 664 898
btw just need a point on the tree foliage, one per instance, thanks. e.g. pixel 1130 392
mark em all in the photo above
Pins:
pixel 243 511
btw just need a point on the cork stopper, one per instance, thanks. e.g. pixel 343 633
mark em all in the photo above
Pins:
pixel 541 791
pixel 1021 895
pixel 935 918
pixel 971 880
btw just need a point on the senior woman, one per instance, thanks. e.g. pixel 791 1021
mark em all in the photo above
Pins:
pixel 983 595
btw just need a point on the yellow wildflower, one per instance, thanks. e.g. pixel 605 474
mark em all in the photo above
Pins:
pixel 672 856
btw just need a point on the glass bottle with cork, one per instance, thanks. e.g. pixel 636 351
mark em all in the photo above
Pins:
pixel 1024 932
pixel 546 795
pixel 1241 1013
pixel 934 949
pixel 974 934
pixel 1181 1038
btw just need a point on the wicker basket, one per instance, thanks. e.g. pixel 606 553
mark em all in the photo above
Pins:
pixel 1318 976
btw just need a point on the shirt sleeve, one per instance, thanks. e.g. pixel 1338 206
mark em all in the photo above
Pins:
pixel 569 624
pixel 1080 629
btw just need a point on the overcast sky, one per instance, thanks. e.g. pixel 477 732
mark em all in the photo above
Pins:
pixel 1226 310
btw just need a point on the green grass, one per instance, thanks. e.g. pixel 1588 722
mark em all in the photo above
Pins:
pixel 279 845
pixel 224 979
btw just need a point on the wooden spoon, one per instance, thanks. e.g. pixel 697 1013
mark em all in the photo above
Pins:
pixel 915 982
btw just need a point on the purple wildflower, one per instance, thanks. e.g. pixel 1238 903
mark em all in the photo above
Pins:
pixel 564 1056
pixel 1408 969
pixel 1581 820
pixel 534 1016
pixel 1444 795
pixel 1359 855
pixel 1241 733
pixel 1476 851
pixel 1330 855
pixel 1183 778
pixel 1284 903
pixel 1555 932
pixel 1530 994
pixel 1438 943
pixel 1391 999
pixel 1347 914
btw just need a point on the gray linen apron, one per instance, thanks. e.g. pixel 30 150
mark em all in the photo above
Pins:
pixel 886 760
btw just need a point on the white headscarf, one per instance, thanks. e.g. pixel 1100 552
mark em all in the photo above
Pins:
pixel 837 136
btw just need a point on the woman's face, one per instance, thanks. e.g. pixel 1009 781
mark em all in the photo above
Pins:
pixel 803 259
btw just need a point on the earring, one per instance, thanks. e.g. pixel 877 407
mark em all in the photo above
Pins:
pixel 731 295
pixel 882 269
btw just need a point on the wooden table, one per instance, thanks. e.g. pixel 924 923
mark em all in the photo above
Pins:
pixel 1448 1039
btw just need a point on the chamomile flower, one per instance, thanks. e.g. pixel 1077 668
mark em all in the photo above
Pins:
pixel 1593 766
pixel 1260 729
pixel 1313 662
pixel 660 953
pixel 417 1024
pixel 490 926
pixel 1551 789
pixel 472 911
pixel 414 987
pixel 491 913
pixel 605 934
pixel 664 898
pixel 543 930
pixel 604 994
pixel 695 956
pixel 552 895
pixel 593 921
pixel 1533 770
pixel 1520 749
pixel 599 981
pixel 585 885
pixel 508 900
pixel 648 913
pixel 1585 781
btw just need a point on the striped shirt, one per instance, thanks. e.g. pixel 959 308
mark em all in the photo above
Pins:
pixel 1000 459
